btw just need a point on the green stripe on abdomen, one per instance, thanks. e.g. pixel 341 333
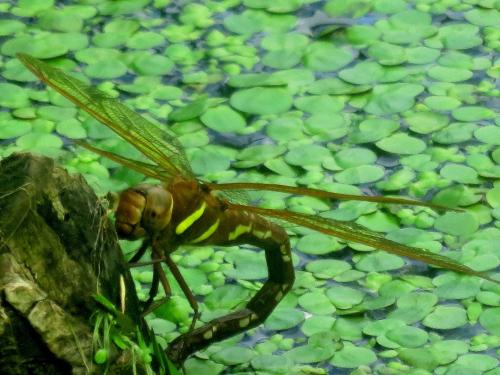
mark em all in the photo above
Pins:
pixel 191 219
pixel 207 233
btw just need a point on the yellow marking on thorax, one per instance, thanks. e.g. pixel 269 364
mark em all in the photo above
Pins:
pixel 188 221
pixel 207 233
pixel 240 229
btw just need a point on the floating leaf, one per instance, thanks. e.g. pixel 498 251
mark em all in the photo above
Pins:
pixel 322 56
pixel 262 100
pixel 223 119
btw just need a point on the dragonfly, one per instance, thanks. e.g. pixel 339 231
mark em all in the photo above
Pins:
pixel 184 210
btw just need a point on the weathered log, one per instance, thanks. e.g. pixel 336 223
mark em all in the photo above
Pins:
pixel 57 249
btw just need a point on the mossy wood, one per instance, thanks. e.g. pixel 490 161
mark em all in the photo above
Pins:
pixel 57 250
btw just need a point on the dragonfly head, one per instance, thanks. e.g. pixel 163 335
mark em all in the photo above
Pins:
pixel 143 209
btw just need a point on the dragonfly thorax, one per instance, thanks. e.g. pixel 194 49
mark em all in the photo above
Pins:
pixel 142 210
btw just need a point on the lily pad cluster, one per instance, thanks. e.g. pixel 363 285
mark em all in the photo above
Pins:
pixel 353 96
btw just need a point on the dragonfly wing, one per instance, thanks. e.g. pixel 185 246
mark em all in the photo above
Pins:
pixel 350 231
pixel 153 142
pixel 146 169
pixel 320 193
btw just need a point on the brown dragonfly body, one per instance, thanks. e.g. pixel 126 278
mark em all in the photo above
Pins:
pixel 183 210
pixel 188 213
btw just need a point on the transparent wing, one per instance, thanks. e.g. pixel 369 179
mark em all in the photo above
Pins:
pixel 242 186
pixel 146 169
pixel 156 144
pixel 356 233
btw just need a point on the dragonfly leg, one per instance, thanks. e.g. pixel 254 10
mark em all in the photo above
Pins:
pixel 185 289
pixel 280 281
pixel 140 252
pixel 153 291
pixel 158 277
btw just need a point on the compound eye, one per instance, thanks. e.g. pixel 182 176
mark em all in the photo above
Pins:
pixel 158 210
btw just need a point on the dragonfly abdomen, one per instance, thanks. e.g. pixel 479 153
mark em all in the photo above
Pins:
pixel 216 223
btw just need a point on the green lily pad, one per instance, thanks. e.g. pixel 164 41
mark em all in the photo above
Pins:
pixel 248 22
pixel 286 41
pixel 458 289
pixel 362 34
pixel 447 74
pixel 457 223
pixel 317 243
pixel 426 122
pixel 459 36
pixel 371 130
pixel 421 55
pixel 255 155
pixel 483 17
pixel 387 54
pixel 223 119
pixel 490 320
pixel 189 111
pixel 282 59
pixel 319 104
pixel 346 8
pixel 344 297
pixel 488 134
pixel 319 348
pixel 204 162
pixel 335 86
pixel 153 65
pixel 307 155
pixel 360 175
pixel 13 128
pixel 316 303
pixel 327 126
pixel 446 317
pixel 413 307
pixel 351 356
pixel 13 96
pixel 106 69
pixel 8 27
pixel 283 318
pixel 421 358
pixel 46 144
pixel 481 362
pixel 233 355
pixel 401 143
pixel 379 261
pixel 71 128
pixel 455 133
pixel 392 98
pixel 226 296
pixel 460 173
pixel 60 20
pixel 317 324
pixel 356 156
pixel 365 72
pixel 409 337
pixel 262 100
pixel 270 363
pixel 322 56
pixel 327 268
